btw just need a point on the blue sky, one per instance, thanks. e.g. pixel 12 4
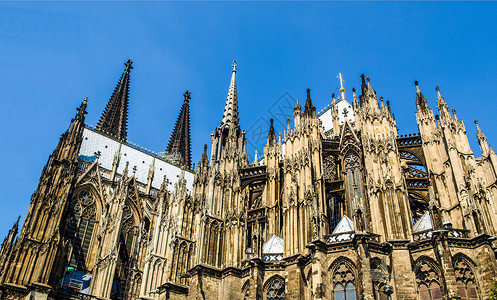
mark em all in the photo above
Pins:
pixel 54 54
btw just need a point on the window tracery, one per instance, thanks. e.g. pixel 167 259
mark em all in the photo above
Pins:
pixel 330 168
pixel 428 281
pixel 465 278
pixel 275 289
pixel 126 239
pixel 344 282
pixel 80 230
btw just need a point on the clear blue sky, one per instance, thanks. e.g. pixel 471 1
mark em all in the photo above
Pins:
pixel 54 54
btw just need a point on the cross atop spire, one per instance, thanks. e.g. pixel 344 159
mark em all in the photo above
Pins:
pixel 230 114
pixel 179 145
pixel 114 119
pixel 187 95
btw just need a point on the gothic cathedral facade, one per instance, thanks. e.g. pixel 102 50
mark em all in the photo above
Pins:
pixel 341 207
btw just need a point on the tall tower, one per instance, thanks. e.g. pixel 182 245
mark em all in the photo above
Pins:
pixel 33 260
pixel 180 143
pixel 114 119
pixel 302 198
pixel 221 229
pixel 383 177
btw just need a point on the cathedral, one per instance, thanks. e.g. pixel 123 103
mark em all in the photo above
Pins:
pixel 339 206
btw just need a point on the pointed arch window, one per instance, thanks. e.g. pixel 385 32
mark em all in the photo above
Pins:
pixel 126 240
pixel 465 278
pixel 353 170
pixel 427 276
pixel 275 289
pixel 80 229
pixel 344 282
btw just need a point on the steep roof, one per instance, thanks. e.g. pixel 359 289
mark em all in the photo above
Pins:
pixel 180 141
pixel 230 114
pixel 114 119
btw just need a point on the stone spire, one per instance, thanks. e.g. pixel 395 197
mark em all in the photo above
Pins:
pixel 230 115
pixel 180 142
pixel 309 108
pixel 114 119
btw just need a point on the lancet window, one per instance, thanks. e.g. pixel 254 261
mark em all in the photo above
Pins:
pixel 126 239
pixel 80 230
pixel 354 183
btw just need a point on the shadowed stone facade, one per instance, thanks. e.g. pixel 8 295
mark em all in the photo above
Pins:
pixel 340 208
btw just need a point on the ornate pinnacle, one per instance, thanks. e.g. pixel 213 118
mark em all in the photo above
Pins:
pixel 234 65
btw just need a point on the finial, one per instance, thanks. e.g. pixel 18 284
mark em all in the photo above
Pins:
pixel 367 79
pixel 187 95
pixel 477 126
pixel 297 105
pixel 234 65
pixel 85 100
pixel 308 93
pixel 362 78
pixel 416 83
pixel 342 89
pixel 128 64
pixel 438 92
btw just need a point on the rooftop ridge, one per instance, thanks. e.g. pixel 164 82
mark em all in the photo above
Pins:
pixel 141 149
